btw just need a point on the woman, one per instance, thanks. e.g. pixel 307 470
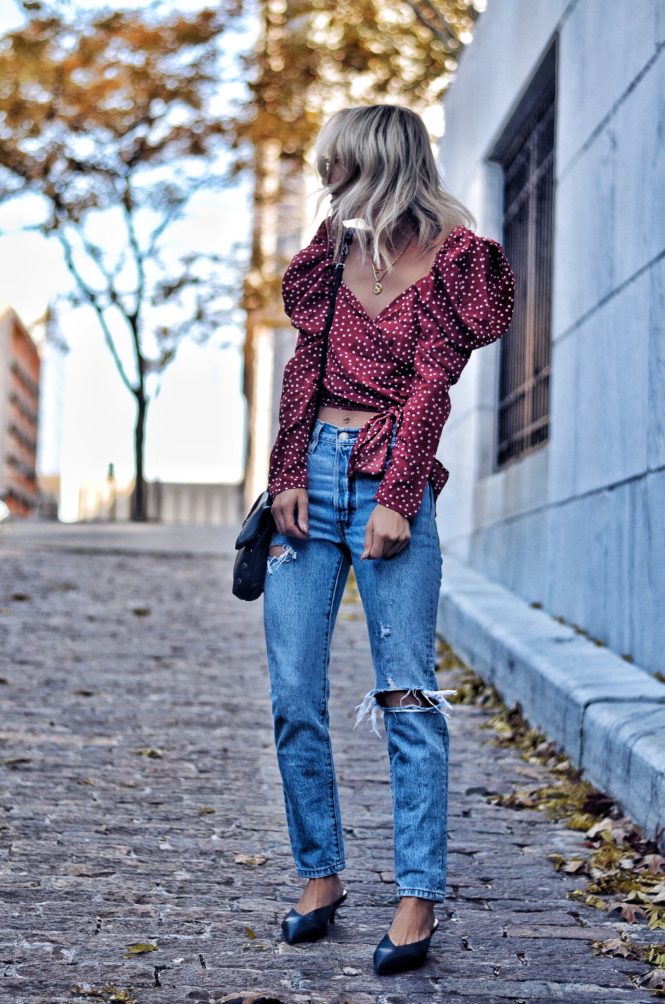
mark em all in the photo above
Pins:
pixel 354 481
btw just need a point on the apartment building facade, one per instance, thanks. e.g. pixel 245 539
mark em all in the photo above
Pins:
pixel 19 415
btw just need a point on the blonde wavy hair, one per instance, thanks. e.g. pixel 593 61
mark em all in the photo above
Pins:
pixel 389 179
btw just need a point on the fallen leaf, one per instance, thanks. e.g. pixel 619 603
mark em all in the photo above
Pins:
pixel 590 900
pixel 599 827
pixel 656 956
pixel 562 765
pixel 575 866
pixel 656 980
pixel 139 948
pixel 615 946
pixel 250 933
pixel 579 821
pixel 503 729
pixel 110 994
pixel 518 799
pixel 628 911
pixel 250 859
pixel 637 896
pixel 624 829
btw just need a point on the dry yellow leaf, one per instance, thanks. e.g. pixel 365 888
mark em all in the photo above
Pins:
pixel 250 859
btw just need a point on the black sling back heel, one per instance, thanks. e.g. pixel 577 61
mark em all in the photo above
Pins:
pixel 390 958
pixel 310 926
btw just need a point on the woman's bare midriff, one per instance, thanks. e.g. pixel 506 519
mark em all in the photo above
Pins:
pixel 344 418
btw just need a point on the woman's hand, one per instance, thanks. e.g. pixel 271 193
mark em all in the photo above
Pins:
pixel 386 534
pixel 289 511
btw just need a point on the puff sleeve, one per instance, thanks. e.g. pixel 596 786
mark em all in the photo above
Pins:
pixel 306 291
pixel 468 304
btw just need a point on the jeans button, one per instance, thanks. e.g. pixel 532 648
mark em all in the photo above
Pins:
pixel 344 436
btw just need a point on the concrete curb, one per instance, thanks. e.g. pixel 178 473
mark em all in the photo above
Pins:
pixel 607 714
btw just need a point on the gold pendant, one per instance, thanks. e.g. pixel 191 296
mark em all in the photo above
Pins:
pixel 377 288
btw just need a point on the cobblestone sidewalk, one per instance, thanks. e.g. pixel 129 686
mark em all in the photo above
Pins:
pixel 143 849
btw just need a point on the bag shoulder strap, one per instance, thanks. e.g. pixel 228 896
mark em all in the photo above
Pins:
pixel 339 269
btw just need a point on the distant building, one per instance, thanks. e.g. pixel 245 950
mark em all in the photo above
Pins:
pixel 19 414
pixel 53 355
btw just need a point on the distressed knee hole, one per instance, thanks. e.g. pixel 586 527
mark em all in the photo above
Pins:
pixel 278 554
pixel 396 698
pixel 377 702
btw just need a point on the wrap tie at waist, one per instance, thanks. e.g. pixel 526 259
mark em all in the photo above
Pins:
pixel 372 445
pixel 371 448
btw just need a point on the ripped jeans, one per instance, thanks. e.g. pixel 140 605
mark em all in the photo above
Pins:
pixel 303 590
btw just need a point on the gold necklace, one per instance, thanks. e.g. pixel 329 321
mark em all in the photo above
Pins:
pixel 378 287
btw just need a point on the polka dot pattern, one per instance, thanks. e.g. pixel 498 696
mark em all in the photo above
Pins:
pixel 401 363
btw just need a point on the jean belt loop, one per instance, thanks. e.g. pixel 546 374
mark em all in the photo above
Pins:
pixel 316 432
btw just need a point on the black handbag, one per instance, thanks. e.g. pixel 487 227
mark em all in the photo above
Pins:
pixel 253 541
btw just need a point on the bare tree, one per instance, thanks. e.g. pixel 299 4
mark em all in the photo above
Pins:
pixel 109 119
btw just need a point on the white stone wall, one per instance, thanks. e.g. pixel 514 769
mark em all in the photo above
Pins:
pixel 578 525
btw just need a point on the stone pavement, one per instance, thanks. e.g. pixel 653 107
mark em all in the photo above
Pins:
pixel 141 804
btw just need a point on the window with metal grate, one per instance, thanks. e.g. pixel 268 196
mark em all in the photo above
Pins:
pixel 526 153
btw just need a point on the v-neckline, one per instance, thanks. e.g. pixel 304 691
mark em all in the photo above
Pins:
pixel 412 285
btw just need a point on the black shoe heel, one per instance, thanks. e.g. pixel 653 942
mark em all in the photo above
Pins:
pixel 297 927
pixel 390 958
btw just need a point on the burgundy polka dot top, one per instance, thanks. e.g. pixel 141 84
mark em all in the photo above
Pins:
pixel 400 363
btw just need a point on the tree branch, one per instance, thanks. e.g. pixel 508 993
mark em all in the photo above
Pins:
pixel 93 299
pixel 92 252
pixel 171 217
pixel 127 206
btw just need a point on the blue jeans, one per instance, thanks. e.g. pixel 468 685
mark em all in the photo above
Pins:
pixel 303 591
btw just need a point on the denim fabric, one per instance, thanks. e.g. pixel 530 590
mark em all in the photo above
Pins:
pixel 303 591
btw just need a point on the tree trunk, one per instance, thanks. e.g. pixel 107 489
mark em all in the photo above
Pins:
pixel 139 497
